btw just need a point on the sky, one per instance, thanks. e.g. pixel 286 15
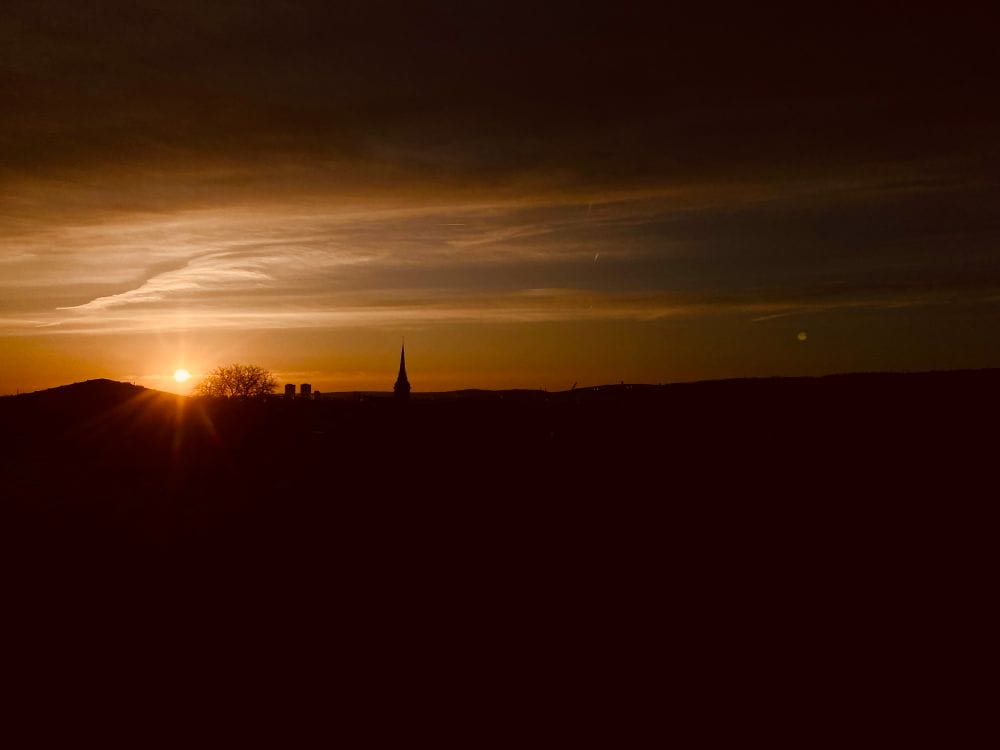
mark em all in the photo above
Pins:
pixel 532 194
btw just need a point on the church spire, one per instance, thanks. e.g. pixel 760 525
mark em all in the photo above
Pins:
pixel 402 387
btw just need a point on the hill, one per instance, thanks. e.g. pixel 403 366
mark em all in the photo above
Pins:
pixel 100 388
pixel 99 467
pixel 733 526
pixel 100 439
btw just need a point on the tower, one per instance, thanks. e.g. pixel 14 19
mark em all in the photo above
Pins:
pixel 402 387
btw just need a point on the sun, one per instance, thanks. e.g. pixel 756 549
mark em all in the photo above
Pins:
pixel 181 375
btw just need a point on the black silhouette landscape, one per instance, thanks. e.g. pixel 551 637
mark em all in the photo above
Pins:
pixel 101 464
pixel 745 520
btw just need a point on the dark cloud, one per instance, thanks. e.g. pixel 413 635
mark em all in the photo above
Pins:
pixel 486 90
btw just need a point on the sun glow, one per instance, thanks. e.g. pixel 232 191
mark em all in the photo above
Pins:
pixel 181 375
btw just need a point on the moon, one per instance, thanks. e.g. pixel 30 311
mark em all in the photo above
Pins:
pixel 181 375
pixel 802 336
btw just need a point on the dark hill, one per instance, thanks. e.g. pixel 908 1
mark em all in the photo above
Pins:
pixel 47 413
pixel 114 462
pixel 751 527
pixel 99 388
pixel 99 439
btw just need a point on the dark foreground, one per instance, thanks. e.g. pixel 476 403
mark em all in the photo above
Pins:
pixel 714 540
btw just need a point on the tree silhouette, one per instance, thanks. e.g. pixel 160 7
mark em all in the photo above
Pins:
pixel 237 381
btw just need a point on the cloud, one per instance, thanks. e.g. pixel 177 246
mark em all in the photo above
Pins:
pixel 309 262
pixel 204 273
pixel 430 307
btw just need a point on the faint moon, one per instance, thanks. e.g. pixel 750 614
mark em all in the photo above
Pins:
pixel 181 375
pixel 802 336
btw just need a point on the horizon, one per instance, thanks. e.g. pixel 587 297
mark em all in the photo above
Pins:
pixel 388 392
pixel 532 196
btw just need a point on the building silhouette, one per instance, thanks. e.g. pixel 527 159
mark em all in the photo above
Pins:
pixel 402 386
pixel 306 393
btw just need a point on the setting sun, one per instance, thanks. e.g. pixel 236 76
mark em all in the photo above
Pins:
pixel 181 375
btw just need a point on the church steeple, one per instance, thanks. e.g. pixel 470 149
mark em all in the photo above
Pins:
pixel 402 387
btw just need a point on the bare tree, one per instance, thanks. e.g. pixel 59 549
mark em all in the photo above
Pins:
pixel 237 381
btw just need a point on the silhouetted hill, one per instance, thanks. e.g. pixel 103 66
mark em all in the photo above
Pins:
pixel 130 465
pixel 49 412
pixel 935 380
pixel 733 525
pixel 87 439
pixel 99 388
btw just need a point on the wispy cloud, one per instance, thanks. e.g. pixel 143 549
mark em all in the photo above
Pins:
pixel 430 307
pixel 637 256
pixel 201 274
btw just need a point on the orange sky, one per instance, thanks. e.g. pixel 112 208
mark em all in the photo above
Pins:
pixel 583 198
